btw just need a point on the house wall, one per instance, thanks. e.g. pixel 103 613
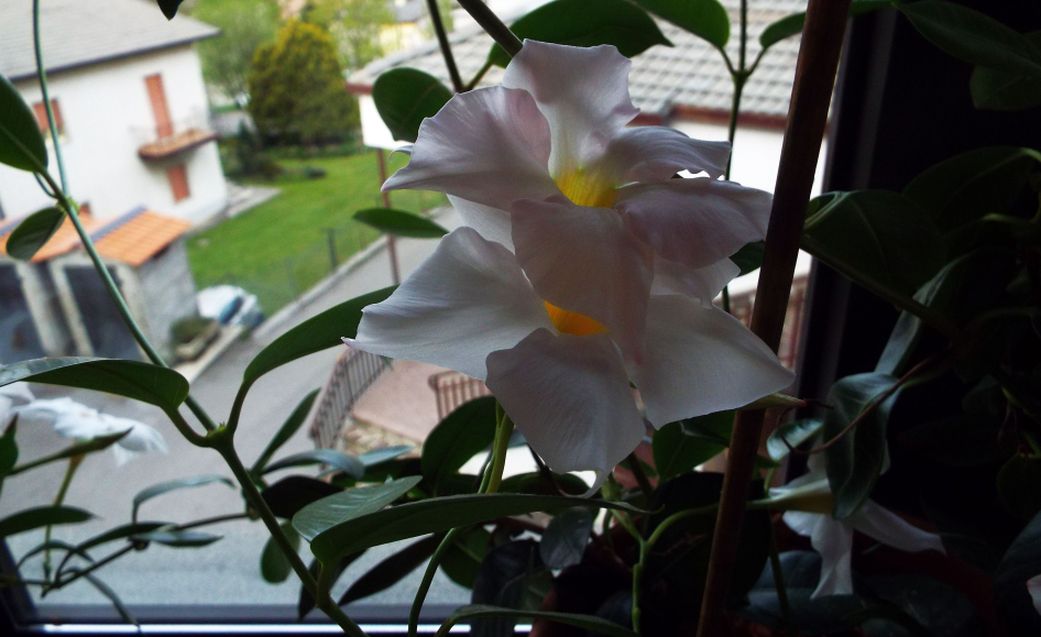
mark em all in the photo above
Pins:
pixel 107 117
pixel 167 290
pixel 42 301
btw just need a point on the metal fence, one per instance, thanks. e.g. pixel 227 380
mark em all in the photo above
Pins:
pixel 353 373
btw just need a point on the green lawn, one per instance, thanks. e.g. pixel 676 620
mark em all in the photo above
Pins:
pixel 281 248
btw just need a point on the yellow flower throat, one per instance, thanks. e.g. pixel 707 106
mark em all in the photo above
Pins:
pixel 586 188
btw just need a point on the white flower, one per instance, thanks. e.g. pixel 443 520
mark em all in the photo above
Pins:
pixel 545 165
pixel 1034 590
pixel 559 374
pixel 78 421
pixel 12 396
pixel 833 539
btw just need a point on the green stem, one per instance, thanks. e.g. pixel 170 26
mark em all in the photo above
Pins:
pixel 446 48
pixel 782 591
pixel 41 77
pixel 477 76
pixel 492 25
pixel 90 569
pixel 641 477
pixel 70 471
pixel 224 446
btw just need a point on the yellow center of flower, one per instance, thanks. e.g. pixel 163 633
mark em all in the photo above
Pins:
pixel 574 323
pixel 585 188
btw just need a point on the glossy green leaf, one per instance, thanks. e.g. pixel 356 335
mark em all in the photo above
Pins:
pixel 972 36
pixel 305 603
pixel 320 516
pixel 1001 89
pixel 291 425
pixel 588 623
pixel 791 434
pixel 404 97
pixel 78 449
pixel 287 496
pixel 880 239
pixel 274 567
pixel 460 436
pixel 615 22
pixel 8 449
pixel 330 457
pixel 463 558
pixel 384 454
pixel 391 570
pixel 706 19
pixel 434 515
pixel 21 144
pixel 750 257
pixel 791 25
pixel 120 533
pixel 169 7
pixel 680 446
pixel 161 488
pixel 538 483
pixel 177 538
pixel 857 459
pixel 40 517
pixel 313 335
pixel 512 575
pixel 34 231
pixel 148 383
pixel 564 541
pixel 400 223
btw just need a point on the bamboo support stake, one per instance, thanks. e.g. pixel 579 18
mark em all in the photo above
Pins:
pixel 807 116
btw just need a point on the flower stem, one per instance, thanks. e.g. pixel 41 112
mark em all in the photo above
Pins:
pixel 59 498
pixel 791 630
pixel 446 48
pixel 41 77
pixel 815 72
pixel 492 25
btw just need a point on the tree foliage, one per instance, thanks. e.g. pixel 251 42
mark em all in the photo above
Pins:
pixel 296 88
pixel 245 25
pixel 355 26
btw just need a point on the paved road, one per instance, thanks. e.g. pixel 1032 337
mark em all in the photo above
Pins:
pixel 226 571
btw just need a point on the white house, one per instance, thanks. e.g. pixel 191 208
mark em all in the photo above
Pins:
pixel 128 95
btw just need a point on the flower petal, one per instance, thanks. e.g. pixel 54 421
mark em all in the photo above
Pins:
pixel 570 397
pixel 700 360
pixel 584 260
pixel 833 540
pixel 892 530
pixel 491 223
pixel 18 393
pixel 655 153
pixel 490 145
pixel 702 283
pixel 696 222
pixel 582 91
pixel 467 299
pixel 1034 589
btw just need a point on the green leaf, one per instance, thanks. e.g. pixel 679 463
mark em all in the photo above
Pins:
pixel 706 19
pixel 78 449
pixel 21 144
pixel 512 575
pixel 1020 563
pixel 107 591
pixel 400 223
pixel 305 603
pixel 564 541
pixel 404 97
pixel 41 516
pixel 857 459
pixel 34 231
pixel 972 36
pixel 335 459
pixel 792 434
pixel 434 515
pixel 8 449
pixel 161 488
pixel 379 456
pixel 177 538
pixel 791 25
pixel 1001 89
pixel 169 7
pixel 588 623
pixel 750 257
pixel 1017 484
pixel 880 239
pixel 291 425
pixel 571 22
pixel 274 567
pixel 462 560
pixel 313 335
pixel 682 445
pixel 318 517
pixel 290 494
pixel 391 570
pixel 147 383
pixel 460 436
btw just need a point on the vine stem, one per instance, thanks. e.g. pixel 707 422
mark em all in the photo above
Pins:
pixel 817 63
pixel 446 48
pixel 492 25
pixel 70 471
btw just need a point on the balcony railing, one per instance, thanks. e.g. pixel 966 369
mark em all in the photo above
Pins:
pixel 173 138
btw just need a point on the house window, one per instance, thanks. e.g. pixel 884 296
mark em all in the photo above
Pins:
pixel 41 118
pixel 160 110
pixel 178 178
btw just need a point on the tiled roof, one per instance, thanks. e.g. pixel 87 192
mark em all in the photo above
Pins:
pixel 133 238
pixel 688 78
pixel 77 33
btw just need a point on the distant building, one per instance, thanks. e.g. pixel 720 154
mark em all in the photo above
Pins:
pixel 128 96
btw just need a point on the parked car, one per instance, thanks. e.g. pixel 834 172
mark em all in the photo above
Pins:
pixel 230 305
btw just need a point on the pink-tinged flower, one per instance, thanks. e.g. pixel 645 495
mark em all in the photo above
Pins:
pixel 559 374
pixel 545 165
pixel 80 422
pixel 833 539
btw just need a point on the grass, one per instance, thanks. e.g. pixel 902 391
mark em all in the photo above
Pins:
pixel 281 248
